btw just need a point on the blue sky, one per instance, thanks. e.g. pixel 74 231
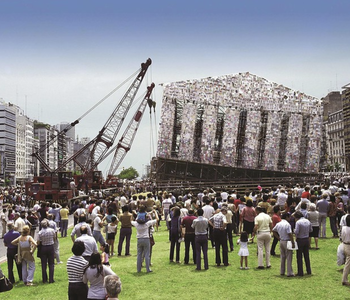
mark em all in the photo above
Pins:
pixel 58 58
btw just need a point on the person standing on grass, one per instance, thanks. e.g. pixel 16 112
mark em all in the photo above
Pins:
pixel 64 212
pixel 189 236
pixel 76 265
pixel 27 246
pixel 143 243
pixel 346 244
pixel 262 229
pixel 200 226
pixel 175 235
pixel 12 251
pixel 322 206
pixel 276 218
pixel 125 231
pixel 112 232
pixel 243 250
pixel 312 216
pixel 283 232
pixel 302 231
pixel 98 225
pixel 218 221
pixel 46 238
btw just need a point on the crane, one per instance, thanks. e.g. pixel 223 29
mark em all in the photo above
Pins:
pixel 125 142
pixel 99 146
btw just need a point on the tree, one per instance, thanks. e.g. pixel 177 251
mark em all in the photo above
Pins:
pixel 129 173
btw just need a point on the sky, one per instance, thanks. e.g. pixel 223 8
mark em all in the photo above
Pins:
pixel 59 58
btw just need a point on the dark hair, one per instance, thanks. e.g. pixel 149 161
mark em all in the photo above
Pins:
pixel 78 248
pixel 125 208
pixel 244 236
pixel 276 209
pixel 106 248
pixel 114 218
pixel 96 263
pixel 176 212
pixel 347 220
pixel 298 215
pixel 249 203
pixel 200 212
pixel 303 205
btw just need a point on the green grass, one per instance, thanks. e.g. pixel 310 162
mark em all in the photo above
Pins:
pixel 178 281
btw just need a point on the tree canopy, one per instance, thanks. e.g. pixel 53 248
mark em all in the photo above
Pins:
pixel 129 173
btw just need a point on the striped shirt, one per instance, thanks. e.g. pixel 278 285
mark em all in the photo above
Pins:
pixel 75 268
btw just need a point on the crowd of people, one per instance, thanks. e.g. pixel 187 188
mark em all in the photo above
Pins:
pixel 291 216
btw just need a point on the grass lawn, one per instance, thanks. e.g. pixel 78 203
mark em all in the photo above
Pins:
pixel 179 281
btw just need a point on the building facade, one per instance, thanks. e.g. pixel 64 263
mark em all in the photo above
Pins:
pixel 241 121
pixel 8 143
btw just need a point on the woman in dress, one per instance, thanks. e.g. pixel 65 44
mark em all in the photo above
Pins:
pixel 27 246
pixel 94 274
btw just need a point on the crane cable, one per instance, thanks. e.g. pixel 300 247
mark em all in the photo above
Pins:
pixel 109 94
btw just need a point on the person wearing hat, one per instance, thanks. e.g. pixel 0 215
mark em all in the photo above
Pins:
pixel 46 238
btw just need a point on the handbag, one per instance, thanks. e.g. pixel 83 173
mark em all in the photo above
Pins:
pixel 5 284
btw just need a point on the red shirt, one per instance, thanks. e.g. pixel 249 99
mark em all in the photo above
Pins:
pixel 275 219
pixel 187 223
pixel 306 195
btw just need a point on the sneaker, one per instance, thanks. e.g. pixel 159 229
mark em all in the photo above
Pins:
pixel 241 268
pixel 60 262
pixel 246 268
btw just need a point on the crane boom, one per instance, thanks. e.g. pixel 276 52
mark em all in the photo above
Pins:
pixel 104 140
pixel 128 136
pixel 108 133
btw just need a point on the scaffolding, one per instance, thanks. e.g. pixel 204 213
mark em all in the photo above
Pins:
pixel 262 138
pixel 177 129
pixel 197 137
pixel 304 143
pixel 241 138
pixel 219 134
pixel 283 143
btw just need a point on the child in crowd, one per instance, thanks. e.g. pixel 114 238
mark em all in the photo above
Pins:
pixel 111 233
pixel 142 217
pixel 105 254
pixel 243 250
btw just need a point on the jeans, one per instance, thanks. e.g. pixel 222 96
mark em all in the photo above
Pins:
pixel 333 223
pixel 64 227
pixel 202 245
pixel 125 232
pixel 28 268
pixel 98 237
pixel 143 250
